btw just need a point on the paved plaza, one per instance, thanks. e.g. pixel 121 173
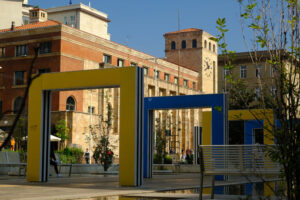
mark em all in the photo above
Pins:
pixel 97 186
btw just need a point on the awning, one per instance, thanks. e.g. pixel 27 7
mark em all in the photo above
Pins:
pixel 52 138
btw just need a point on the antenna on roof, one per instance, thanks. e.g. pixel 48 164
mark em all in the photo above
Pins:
pixel 70 2
pixel 89 4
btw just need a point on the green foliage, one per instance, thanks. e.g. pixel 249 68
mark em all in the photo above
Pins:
pixel 71 155
pixel 167 159
pixel 103 153
pixel 62 130
pixel 159 159
pixel 160 145
pixel 240 96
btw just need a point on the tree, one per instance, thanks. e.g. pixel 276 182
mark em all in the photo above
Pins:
pixel 160 142
pixel 62 131
pixel 275 29
pixel 100 135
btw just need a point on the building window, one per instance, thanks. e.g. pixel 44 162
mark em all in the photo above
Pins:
pixel 65 20
pixel 19 78
pixel 194 85
pixel 243 71
pixel 205 44
pixel 120 63
pixel 176 80
pixel 45 47
pixel 167 77
pixel 42 71
pixel 258 72
pixel 226 73
pixel 2 52
pixel 145 70
pixel 107 58
pixel 183 44
pixel 156 73
pixel 72 21
pixel 194 43
pixel 185 83
pixel 70 104
pixel 273 91
pixel 173 45
pixel 133 64
pixel 17 105
pixel 22 50
pixel 258 93
pixel 91 109
pixel 273 70
pixel 214 48
pixel 209 46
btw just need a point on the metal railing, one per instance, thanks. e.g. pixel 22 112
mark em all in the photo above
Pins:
pixel 238 159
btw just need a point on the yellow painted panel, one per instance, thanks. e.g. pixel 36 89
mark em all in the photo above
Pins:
pixel 123 77
pixel 34 131
pixel 269 188
pixel 256 114
pixel 206 128
pixel 127 129
pixel 206 191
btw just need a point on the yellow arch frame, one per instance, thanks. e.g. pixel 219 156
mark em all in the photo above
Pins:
pixel 130 81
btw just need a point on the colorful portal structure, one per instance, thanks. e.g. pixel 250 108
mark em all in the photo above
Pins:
pixel 249 123
pixel 218 124
pixel 131 83
pixel 245 127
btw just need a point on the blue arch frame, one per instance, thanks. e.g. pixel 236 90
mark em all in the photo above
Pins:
pixel 218 103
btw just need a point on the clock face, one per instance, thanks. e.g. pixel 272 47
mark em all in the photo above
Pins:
pixel 208 67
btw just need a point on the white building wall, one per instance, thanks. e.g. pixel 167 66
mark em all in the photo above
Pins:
pixel 10 10
pixel 93 25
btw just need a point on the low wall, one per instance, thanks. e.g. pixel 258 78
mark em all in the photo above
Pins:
pixel 177 168
pixel 98 169
pixel 76 169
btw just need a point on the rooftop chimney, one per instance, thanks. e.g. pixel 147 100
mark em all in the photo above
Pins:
pixel 12 26
pixel 38 15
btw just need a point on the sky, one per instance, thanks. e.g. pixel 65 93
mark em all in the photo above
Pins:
pixel 141 24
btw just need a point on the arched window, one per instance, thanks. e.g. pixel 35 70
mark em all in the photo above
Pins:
pixel 194 44
pixel 70 104
pixel 173 45
pixel 17 104
pixel 209 46
pixel 214 48
pixel 205 44
pixel 183 44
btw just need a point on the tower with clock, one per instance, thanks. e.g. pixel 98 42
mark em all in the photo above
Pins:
pixel 193 49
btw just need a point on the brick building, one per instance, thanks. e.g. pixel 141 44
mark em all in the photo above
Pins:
pixel 65 48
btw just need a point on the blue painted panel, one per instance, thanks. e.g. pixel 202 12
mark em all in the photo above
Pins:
pixel 219 190
pixel 248 189
pixel 249 126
